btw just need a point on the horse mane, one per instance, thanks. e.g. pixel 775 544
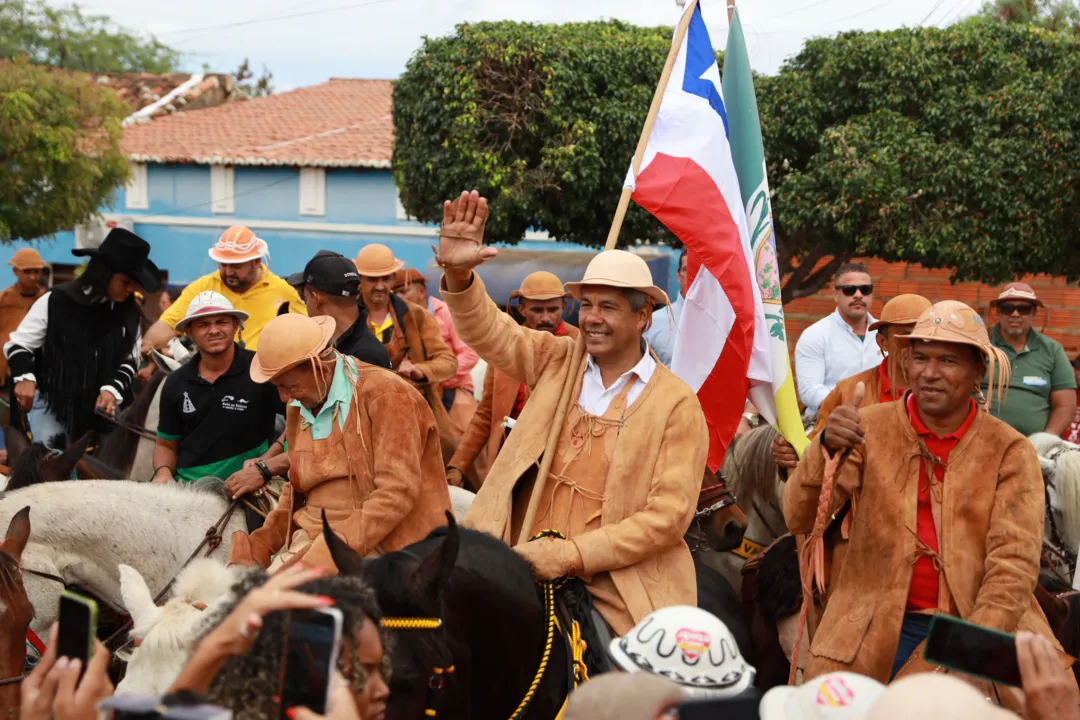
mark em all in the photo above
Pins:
pixel 10 575
pixel 779 592
pixel 117 448
pixel 749 467
pixel 1066 481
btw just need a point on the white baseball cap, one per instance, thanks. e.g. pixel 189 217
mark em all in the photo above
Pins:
pixel 688 645
pixel 836 696
pixel 209 303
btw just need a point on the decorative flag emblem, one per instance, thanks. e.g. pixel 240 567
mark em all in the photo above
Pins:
pixel 693 643
pixel 835 693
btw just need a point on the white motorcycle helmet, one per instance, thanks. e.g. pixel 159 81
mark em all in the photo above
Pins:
pixel 688 645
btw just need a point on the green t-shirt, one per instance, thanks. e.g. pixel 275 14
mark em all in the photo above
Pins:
pixel 1038 370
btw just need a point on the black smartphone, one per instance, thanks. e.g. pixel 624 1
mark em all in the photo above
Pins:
pixel 312 642
pixel 78 628
pixel 740 707
pixel 972 649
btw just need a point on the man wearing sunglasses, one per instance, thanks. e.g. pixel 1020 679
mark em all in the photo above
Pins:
pixel 841 344
pixel 1042 393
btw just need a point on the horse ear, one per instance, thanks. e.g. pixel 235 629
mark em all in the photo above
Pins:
pixel 434 570
pixel 16 442
pixel 348 561
pixel 137 598
pixel 18 533
pixel 58 467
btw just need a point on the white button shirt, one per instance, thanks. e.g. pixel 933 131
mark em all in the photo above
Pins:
pixel 829 351
pixel 595 399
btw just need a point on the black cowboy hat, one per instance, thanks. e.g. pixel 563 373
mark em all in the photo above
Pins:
pixel 125 252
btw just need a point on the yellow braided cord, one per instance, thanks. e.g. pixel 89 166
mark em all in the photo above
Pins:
pixel 578 646
pixel 410 623
pixel 429 712
pixel 549 606
pixel 562 710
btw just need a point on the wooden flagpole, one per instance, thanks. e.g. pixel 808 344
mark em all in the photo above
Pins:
pixel 613 236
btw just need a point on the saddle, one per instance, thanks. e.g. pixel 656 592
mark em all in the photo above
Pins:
pixel 573 604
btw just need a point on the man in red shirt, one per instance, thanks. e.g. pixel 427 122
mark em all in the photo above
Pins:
pixel 542 299
pixel 947 506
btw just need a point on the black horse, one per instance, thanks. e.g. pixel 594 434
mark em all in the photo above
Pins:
pixel 493 631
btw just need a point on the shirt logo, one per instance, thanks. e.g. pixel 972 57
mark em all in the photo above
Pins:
pixel 1035 381
pixel 189 407
pixel 229 402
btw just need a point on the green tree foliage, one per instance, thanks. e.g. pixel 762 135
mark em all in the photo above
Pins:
pixel 955 148
pixel 1056 15
pixel 60 158
pixel 66 38
pixel 542 119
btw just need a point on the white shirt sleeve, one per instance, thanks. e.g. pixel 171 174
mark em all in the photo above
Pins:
pixel 810 367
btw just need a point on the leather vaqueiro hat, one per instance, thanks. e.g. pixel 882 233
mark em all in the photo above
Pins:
pixel 902 310
pixel 377 260
pixel 620 269
pixel 289 340
pixel 125 252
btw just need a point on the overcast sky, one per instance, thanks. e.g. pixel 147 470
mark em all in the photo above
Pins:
pixel 304 42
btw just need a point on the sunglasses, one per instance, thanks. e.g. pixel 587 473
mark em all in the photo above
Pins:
pixel 1022 309
pixel 850 290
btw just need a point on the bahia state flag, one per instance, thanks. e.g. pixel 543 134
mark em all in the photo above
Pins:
pixel 687 180
pixel 776 401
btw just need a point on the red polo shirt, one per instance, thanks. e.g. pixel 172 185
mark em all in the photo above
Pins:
pixel 923 594
pixel 887 394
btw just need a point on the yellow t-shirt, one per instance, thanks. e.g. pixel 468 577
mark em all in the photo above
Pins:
pixel 260 302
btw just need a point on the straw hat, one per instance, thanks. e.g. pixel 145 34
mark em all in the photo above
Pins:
pixel 26 259
pixel 540 285
pixel 1017 291
pixel 836 696
pixel 289 340
pixel 238 245
pixel 902 310
pixel 377 260
pixel 620 269
pixel 406 277
pixel 209 303
pixel 952 321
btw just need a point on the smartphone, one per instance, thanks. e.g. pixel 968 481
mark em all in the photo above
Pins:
pixel 972 649
pixel 741 707
pixel 312 642
pixel 78 628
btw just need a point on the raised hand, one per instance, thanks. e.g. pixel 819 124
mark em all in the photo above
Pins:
pixel 842 431
pixel 461 236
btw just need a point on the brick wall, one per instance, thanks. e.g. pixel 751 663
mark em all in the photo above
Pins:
pixel 1061 318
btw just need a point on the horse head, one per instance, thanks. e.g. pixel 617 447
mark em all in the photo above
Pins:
pixel 410 590
pixel 723 521
pixel 34 463
pixel 163 635
pixel 16 612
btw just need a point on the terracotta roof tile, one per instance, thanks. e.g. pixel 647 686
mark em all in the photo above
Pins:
pixel 340 123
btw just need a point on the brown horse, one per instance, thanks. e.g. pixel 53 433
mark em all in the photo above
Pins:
pixel 33 463
pixel 1062 612
pixel 15 612
pixel 719 521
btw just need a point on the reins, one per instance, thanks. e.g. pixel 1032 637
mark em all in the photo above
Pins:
pixel 125 425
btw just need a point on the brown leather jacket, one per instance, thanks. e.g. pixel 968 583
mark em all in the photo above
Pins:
pixel 991 536
pixel 13 308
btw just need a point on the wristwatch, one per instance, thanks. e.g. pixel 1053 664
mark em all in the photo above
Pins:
pixel 264 471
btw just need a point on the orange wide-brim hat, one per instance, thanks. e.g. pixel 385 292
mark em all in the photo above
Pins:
pixel 237 245
pixel 377 260
pixel 26 259
pixel 405 277
pixel 289 340
pixel 620 269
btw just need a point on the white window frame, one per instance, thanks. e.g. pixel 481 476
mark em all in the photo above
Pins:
pixel 222 192
pixel 312 191
pixel 137 191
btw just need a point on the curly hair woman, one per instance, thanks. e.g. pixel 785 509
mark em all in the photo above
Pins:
pixel 237 664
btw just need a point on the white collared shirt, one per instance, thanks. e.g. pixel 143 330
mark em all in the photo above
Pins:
pixel 664 329
pixel 829 351
pixel 594 398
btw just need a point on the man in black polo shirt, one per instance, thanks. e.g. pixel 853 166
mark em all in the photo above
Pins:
pixel 330 286
pixel 213 416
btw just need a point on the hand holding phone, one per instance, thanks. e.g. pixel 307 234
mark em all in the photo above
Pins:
pixel 77 629
pixel 311 650
pixel 972 649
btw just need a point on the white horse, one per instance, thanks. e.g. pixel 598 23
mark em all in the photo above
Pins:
pixel 84 529
pixel 164 635
pixel 1060 461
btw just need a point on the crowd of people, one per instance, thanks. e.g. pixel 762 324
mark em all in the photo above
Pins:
pixel 919 494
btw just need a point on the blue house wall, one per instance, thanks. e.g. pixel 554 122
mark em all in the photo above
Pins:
pixel 360 208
